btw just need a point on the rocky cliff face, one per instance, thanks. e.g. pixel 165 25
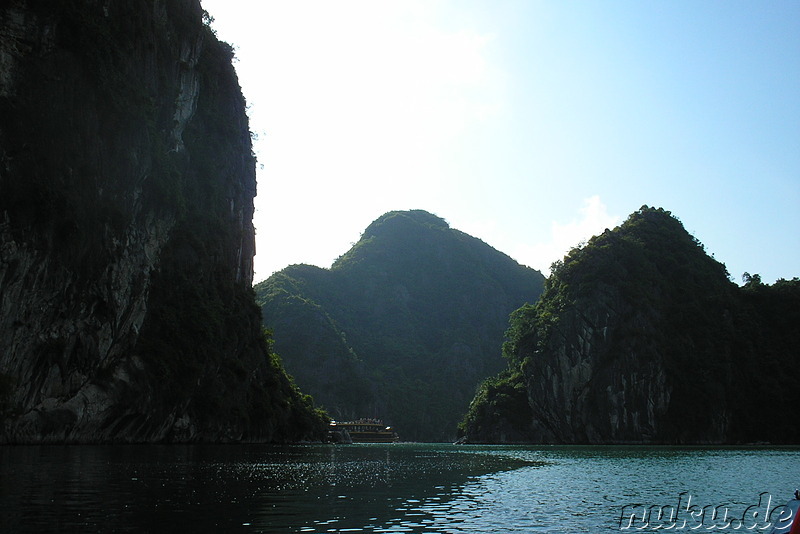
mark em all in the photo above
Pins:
pixel 579 397
pixel 126 238
pixel 640 337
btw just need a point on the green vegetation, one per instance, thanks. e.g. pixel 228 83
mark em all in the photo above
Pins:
pixel 501 402
pixel 664 302
pixel 403 326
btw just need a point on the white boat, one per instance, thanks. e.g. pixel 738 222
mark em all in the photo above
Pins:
pixel 361 431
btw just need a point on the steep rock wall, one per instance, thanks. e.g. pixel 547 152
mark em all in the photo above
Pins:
pixel 126 237
pixel 598 384
pixel 640 337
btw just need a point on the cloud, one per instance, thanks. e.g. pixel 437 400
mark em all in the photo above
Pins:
pixel 593 218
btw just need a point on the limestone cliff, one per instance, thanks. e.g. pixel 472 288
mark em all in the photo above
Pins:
pixel 126 240
pixel 403 326
pixel 640 337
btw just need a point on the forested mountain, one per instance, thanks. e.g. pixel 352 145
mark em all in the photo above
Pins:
pixel 126 240
pixel 640 336
pixel 403 326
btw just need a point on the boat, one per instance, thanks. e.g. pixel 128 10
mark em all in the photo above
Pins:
pixel 789 520
pixel 361 431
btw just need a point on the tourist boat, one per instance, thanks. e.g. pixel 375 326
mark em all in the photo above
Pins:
pixel 361 431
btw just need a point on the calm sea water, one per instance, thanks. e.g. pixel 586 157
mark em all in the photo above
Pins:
pixel 388 488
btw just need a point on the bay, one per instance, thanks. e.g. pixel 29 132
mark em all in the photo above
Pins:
pixel 437 488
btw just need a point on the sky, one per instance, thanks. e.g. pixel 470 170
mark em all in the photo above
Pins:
pixel 531 125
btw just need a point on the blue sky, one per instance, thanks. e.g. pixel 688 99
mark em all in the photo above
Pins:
pixel 531 125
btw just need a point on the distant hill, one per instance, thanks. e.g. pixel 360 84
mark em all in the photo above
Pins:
pixel 640 336
pixel 403 326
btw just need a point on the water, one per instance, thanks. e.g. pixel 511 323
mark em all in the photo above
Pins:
pixel 385 488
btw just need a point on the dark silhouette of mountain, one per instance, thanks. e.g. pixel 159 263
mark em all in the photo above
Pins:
pixel 126 239
pixel 403 326
pixel 640 336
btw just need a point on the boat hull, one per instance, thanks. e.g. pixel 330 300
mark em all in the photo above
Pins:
pixel 361 432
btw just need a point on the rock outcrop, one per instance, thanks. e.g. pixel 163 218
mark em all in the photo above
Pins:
pixel 402 327
pixel 126 237
pixel 640 337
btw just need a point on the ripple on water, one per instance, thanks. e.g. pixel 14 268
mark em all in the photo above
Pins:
pixel 381 488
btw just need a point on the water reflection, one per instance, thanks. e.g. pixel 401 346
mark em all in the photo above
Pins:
pixel 369 488
pixel 226 488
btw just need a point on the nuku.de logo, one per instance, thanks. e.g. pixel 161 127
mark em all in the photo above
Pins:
pixel 687 515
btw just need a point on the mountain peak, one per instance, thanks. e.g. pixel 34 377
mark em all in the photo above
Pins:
pixel 403 325
pixel 395 220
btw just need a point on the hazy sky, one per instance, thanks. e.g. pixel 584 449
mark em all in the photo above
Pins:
pixel 529 124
